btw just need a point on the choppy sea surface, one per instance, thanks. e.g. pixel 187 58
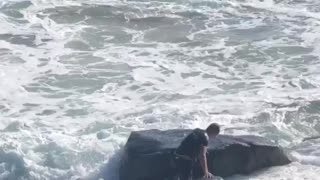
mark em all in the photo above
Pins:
pixel 77 76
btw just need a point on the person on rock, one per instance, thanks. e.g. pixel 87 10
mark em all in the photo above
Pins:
pixel 194 148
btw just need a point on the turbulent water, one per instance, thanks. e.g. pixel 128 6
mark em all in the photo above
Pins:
pixel 76 76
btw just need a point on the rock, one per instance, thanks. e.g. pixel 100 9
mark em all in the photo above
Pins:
pixel 148 155
pixel 213 178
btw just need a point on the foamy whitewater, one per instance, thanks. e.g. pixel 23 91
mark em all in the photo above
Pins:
pixel 77 76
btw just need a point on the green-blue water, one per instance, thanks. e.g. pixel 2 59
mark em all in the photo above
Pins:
pixel 77 76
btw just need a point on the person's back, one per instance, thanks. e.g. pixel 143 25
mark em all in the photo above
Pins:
pixel 193 148
pixel 191 145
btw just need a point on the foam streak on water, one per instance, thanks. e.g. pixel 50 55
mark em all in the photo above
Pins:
pixel 77 77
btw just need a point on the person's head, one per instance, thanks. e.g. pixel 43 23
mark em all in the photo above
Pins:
pixel 213 130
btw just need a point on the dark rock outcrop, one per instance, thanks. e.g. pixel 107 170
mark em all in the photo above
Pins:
pixel 148 155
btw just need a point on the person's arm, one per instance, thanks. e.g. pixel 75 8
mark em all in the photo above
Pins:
pixel 203 162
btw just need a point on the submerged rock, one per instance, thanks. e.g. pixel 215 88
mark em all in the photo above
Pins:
pixel 148 155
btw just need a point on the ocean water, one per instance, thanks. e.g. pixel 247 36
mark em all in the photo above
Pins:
pixel 77 76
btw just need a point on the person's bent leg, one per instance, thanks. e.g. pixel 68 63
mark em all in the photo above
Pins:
pixel 185 170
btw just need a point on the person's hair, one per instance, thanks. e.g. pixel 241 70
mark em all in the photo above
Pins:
pixel 213 128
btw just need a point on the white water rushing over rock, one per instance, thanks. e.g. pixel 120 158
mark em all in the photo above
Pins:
pixel 77 76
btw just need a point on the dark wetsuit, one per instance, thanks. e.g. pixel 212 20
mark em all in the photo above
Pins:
pixel 190 147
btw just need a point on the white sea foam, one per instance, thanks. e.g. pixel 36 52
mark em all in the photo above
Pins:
pixel 77 77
